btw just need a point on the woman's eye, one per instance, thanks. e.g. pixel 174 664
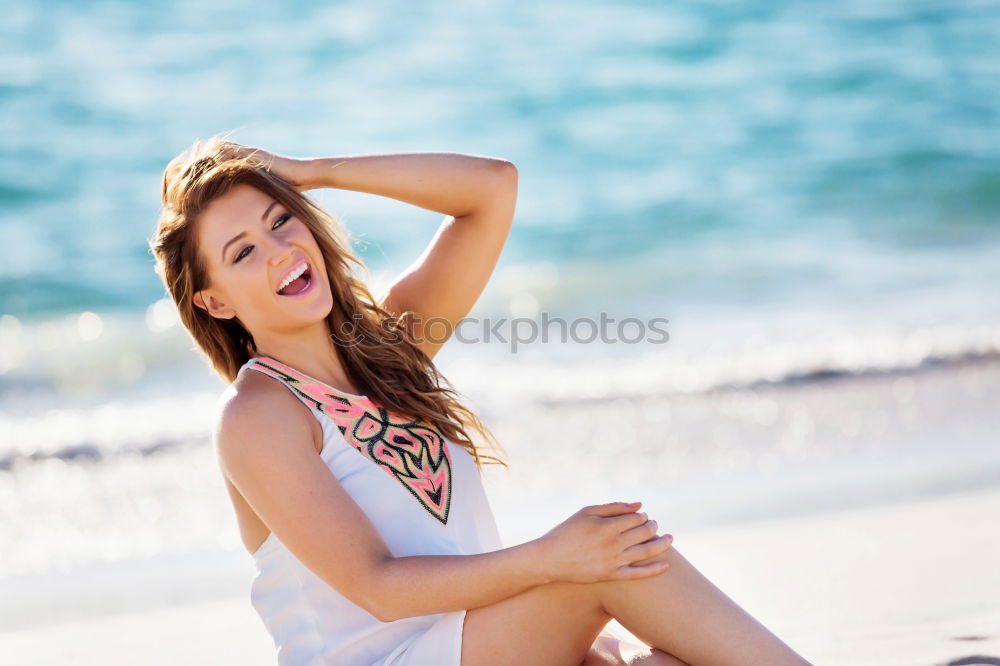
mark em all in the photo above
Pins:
pixel 280 222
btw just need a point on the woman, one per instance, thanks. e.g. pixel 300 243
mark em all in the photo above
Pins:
pixel 349 461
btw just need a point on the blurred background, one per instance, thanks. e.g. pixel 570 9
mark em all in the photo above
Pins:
pixel 808 192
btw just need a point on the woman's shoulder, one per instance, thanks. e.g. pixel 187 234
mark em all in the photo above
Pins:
pixel 254 397
pixel 250 387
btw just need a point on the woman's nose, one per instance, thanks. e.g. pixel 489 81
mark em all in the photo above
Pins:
pixel 281 250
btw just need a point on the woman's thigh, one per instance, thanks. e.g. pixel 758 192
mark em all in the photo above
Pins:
pixel 548 625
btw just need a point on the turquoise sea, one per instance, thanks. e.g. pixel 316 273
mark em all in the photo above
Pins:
pixel 806 191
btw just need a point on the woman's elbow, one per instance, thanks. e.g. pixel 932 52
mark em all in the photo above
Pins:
pixel 376 597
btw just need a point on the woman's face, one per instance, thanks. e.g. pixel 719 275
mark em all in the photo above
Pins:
pixel 251 244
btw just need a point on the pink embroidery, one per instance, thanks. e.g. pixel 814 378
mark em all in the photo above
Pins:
pixel 412 452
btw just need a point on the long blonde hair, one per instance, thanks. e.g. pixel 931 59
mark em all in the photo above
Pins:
pixel 398 376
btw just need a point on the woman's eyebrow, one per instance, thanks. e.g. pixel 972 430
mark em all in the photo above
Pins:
pixel 231 241
pixel 263 218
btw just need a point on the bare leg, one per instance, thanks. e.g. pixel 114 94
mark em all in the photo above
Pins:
pixel 549 625
pixel 679 611
pixel 683 613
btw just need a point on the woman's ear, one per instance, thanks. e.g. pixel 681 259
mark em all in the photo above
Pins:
pixel 213 306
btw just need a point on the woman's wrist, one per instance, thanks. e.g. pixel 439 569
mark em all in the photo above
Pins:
pixel 316 172
pixel 537 562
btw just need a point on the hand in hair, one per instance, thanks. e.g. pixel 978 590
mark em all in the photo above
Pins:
pixel 294 170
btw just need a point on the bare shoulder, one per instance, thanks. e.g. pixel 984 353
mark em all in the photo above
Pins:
pixel 255 405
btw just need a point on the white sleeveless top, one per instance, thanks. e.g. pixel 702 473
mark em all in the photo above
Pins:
pixel 425 496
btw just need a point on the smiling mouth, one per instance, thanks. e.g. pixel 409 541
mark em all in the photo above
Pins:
pixel 298 285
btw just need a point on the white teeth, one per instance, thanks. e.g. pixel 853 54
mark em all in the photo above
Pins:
pixel 294 274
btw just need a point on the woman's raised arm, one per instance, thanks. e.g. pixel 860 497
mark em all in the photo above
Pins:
pixel 478 194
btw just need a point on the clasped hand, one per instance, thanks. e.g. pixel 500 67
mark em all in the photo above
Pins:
pixel 605 542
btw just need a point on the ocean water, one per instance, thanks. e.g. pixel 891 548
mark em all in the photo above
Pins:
pixel 804 192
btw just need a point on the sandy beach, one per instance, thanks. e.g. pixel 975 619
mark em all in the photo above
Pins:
pixel 902 584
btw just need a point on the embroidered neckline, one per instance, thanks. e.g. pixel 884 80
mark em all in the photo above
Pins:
pixel 412 452
pixel 291 370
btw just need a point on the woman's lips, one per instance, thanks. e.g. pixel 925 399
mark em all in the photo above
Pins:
pixel 302 265
pixel 310 283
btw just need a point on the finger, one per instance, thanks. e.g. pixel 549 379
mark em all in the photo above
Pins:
pixel 631 571
pixel 235 151
pixel 648 549
pixel 627 521
pixel 639 533
pixel 662 557
pixel 612 508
